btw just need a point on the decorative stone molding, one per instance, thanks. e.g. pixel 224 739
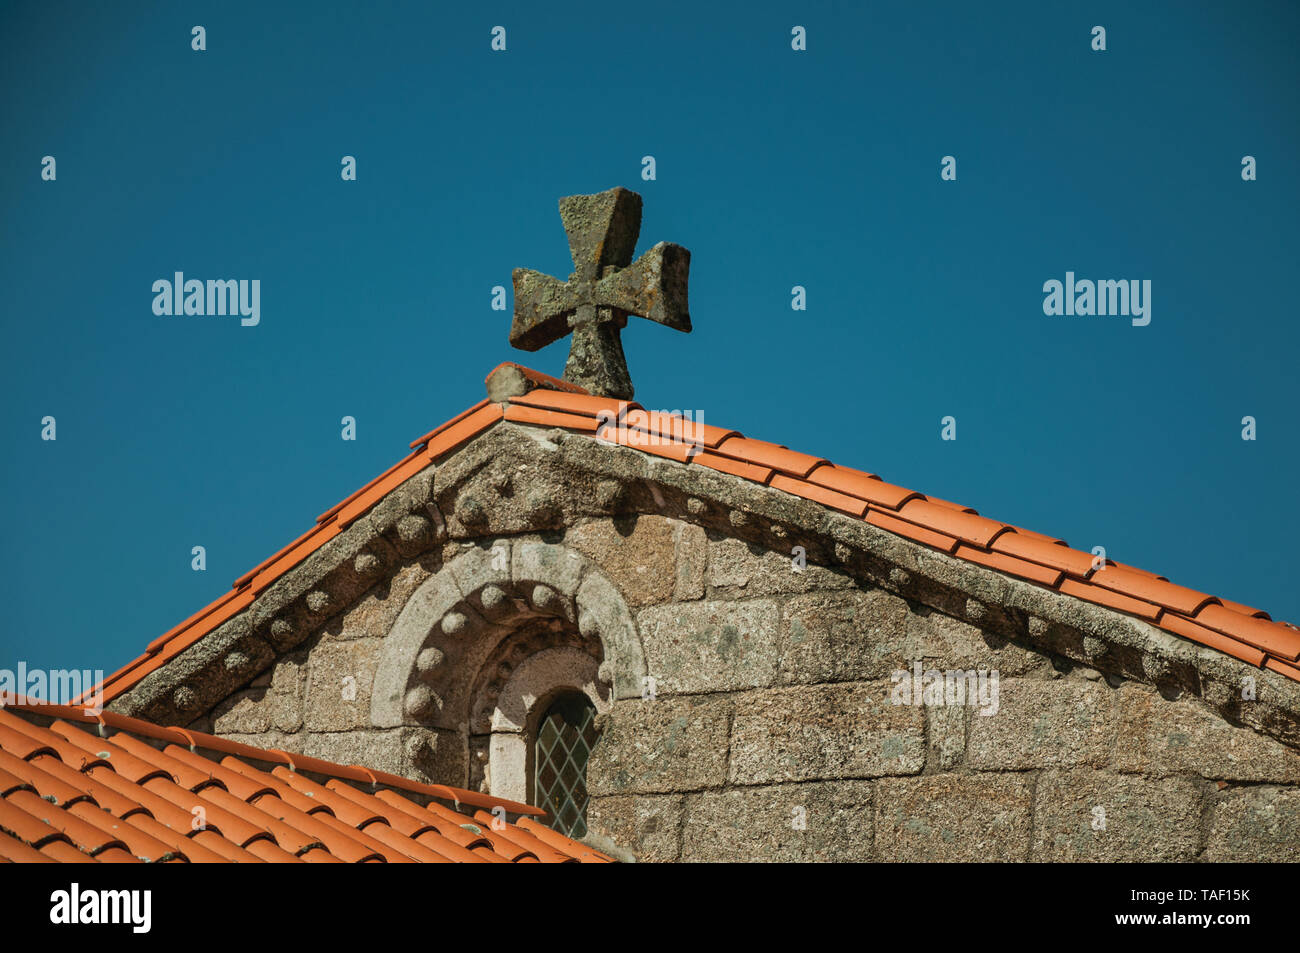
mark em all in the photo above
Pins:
pixel 465 631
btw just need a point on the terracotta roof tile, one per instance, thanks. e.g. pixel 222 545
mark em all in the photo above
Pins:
pixel 1151 588
pixel 820 494
pixel 965 526
pixel 47 784
pixel 124 799
pixel 268 850
pixel 1010 564
pixel 419 442
pixel 1114 600
pixel 865 486
pixel 1245 610
pixel 764 454
pixel 1140 572
pixel 129 836
pixel 1040 551
pixel 949 505
pixel 1042 537
pixel 676 427
pixel 86 837
pixel 16 852
pixel 1272 637
pixel 63 852
pixel 562 843
pixel 52 742
pixel 581 404
pixel 893 524
pixel 636 439
pixel 464 430
pixel 1283 668
pixel 747 471
pixel 538 379
pixel 9 781
pixel 1215 640
pixel 710 435
pixel 523 414
pixel 21 744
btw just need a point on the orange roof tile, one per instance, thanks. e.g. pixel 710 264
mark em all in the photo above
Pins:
pixel 865 486
pixel 950 527
pixel 769 455
pixel 819 494
pixel 133 802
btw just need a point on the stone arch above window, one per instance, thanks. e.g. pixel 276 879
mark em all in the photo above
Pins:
pixel 501 628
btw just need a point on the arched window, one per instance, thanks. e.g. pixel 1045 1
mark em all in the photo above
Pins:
pixel 566 733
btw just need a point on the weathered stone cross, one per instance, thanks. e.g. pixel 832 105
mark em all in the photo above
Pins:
pixel 602 291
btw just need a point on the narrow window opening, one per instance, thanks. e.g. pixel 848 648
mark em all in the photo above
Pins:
pixel 566 733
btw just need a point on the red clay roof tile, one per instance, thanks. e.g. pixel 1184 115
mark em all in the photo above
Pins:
pixel 747 471
pixel 1044 553
pixel 676 427
pixel 1010 564
pixel 820 494
pixel 1245 610
pixel 919 534
pixel 968 527
pixel 1283 668
pixel 1215 640
pixel 949 505
pixel 1043 537
pixel 1272 637
pixel 640 440
pixel 1151 589
pixel 445 425
pixel 864 486
pixel 84 836
pixel 47 784
pixel 1114 600
pixel 580 404
pixel 540 417
pixel 64 852
pixel 16 852
pixel 538 379
pixel 765 454
pixel 1140 572
pixel 463 431
pixel 85 801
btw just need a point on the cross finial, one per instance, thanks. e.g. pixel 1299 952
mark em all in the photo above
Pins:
pixel 603 290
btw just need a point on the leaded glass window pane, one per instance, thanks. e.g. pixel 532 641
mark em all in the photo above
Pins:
pixel 565 737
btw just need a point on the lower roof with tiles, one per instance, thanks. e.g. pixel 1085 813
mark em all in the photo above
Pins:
pixel 104 788
pixel 1237 630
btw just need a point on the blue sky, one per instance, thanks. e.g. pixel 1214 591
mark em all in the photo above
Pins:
pixel 775 168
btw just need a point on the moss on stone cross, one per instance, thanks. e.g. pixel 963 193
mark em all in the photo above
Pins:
pixel 603 290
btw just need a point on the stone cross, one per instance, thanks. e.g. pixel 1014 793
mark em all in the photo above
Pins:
pixel 603 290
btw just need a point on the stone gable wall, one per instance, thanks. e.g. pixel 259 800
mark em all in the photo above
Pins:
pixel 772 735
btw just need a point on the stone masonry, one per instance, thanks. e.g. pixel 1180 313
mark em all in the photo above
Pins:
pixel 747 702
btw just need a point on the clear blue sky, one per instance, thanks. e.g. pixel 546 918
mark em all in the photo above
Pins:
pixel 776 168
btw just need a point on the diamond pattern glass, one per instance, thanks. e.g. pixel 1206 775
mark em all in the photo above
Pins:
pixel 565 737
